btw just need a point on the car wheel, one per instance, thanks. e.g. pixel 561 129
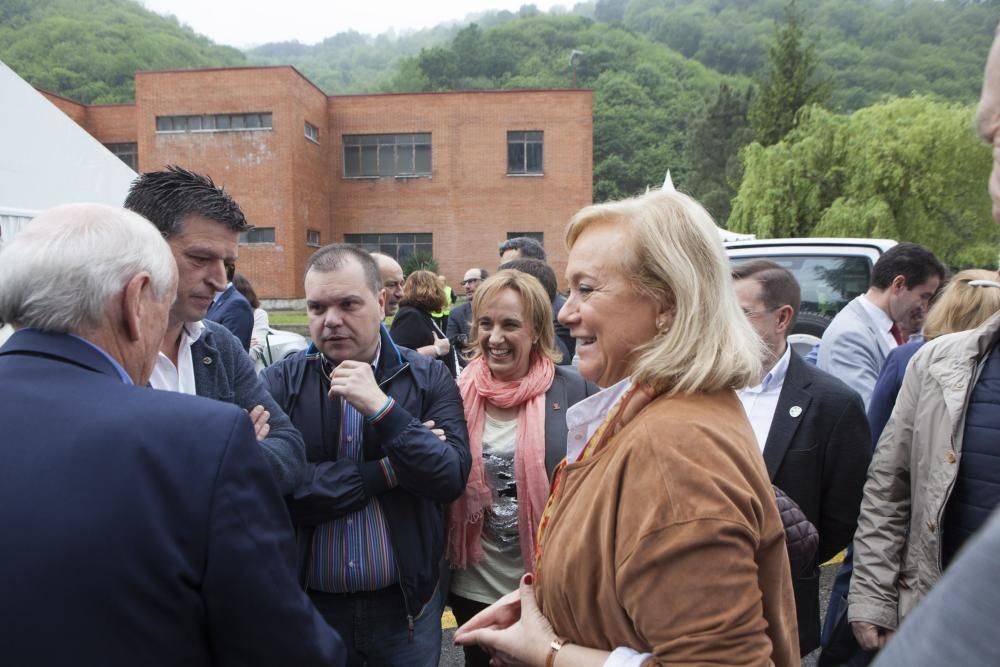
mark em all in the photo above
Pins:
pixel 811 323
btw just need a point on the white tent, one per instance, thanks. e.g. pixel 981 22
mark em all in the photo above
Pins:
pixel 46 159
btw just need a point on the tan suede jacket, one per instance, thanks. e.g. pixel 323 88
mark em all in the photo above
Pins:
pixel 668 541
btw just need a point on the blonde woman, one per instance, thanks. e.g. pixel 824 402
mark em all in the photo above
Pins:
pixel 661 542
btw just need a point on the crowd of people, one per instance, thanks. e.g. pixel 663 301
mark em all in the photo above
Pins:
pixel 585 479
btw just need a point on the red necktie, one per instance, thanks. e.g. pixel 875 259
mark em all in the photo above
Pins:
pixel 897 334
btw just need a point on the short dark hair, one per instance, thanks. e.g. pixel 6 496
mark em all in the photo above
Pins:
pixel 483 273
pixel 333 257
pixel 244 287
pixel 913 261
pixel 166 198
pixel 778 287
pixel 537 268
pixel 528 247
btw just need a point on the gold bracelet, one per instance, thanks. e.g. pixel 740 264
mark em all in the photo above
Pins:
pixel 554 647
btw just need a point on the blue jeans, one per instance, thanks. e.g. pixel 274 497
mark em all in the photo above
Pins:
pixel 374 628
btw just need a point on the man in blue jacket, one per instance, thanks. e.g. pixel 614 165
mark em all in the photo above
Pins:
pixel 137 527
pixel 202 225
pixel 232 310
pixel 370 512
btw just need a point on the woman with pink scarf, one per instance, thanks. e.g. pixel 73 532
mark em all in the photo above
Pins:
pixel 515 405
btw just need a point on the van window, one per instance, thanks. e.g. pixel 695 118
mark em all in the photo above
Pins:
pixel 828 282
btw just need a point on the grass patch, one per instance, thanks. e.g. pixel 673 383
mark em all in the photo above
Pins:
pixel 280 318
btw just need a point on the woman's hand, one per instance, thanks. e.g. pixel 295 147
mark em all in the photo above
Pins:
pixel 512 630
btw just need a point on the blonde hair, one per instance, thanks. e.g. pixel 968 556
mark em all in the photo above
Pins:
pixel 674 256
pixel 959 307
pixel 534 301
pixel 422 290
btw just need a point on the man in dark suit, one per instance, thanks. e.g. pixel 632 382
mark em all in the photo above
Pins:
pixel 139 527
pixel 811 428
pixel 233 311
pixel 460 318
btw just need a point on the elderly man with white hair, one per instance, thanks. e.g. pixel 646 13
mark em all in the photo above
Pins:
pixel 140 527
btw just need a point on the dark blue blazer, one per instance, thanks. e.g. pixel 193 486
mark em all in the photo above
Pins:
pixel 232 310
pixel 138 527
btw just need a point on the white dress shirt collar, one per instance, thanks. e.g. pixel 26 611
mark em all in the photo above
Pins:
pixel 760 401
pixel 180 377
pixel 882 321
pixel 584 418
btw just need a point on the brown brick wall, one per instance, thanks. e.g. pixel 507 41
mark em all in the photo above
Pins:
pixel 112 123
pixel 469 203
pixel 73 109
pixel 283 180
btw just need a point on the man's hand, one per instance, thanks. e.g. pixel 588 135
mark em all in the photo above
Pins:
pixel 439 432
pixel 260 418
pixel 870 637
pixel 354 382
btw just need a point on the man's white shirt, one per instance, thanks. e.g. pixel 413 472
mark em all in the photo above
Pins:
pixel 179 378
pixel 881 320
pixel 760 401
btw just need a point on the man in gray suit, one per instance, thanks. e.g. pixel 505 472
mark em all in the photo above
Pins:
pixel 855 345
pixel 202 225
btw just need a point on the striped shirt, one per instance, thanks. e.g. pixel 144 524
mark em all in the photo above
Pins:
pixel 353 553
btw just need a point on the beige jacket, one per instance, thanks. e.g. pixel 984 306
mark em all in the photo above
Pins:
pixel 668 541
pixel 897 548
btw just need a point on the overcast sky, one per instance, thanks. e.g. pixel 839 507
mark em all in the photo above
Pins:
pixel 241 24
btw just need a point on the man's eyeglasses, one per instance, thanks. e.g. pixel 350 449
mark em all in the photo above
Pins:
pixel 469 281
pixel 750 314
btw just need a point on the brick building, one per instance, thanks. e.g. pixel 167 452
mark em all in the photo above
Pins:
pixel 452 174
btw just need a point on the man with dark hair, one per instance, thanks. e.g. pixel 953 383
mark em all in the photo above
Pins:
pixel 547 277
pixel 521 246
pixel 369 515
pixel 140 527
pixel 232 310
pixel 460 318
pixel 202 225
pixel 811 428
pixel 855 345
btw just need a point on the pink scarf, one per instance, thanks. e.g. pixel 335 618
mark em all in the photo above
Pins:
pixel 465 515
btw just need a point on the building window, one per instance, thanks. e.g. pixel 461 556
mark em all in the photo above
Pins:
pixel 538 236
pixel 219 122
pixel 127 153
pixel 397 246
pixel 374 155
pixel 312 132
pixel 312 238
pixel 524 152
pixel 258 235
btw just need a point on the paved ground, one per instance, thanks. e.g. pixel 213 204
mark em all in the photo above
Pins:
pixel 451 656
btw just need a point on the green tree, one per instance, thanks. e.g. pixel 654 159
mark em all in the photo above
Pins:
pixel 420 261
pixel 908 169
pixel 790 81
pixel 713 147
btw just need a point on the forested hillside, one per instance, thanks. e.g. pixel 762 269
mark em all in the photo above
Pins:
pixel 678 84
pixel 870 48
pixel 90 50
